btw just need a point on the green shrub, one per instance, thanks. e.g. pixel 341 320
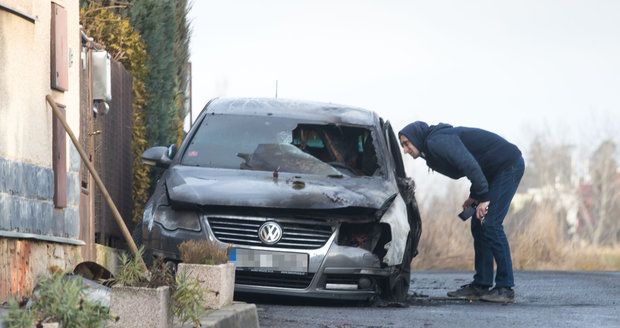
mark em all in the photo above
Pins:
pixel 131 273
pixel 62 300
pixel 203 252
pixel 188 300
pixel 58 299
pixel 18 318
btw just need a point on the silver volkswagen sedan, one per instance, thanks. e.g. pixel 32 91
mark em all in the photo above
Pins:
pixel 311 197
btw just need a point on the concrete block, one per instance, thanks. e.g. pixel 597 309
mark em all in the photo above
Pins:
pixel 237 315
pixel 139 307
pixel 216 281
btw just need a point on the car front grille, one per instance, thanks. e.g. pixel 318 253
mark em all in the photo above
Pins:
pixel 296 233
pixel 273 279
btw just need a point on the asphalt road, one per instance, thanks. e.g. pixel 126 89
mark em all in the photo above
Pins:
pixel 543 299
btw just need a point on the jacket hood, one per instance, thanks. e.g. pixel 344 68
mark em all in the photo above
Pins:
pixel 226 187
pixel 418 132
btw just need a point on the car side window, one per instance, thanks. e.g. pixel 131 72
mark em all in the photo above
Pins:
pixel 395 151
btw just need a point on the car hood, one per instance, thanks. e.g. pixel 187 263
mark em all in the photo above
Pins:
pixel 227 187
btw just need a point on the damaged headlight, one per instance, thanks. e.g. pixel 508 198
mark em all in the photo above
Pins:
pixel 173 220
pixel 362 235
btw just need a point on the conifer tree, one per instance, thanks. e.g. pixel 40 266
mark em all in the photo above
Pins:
pixel 156 22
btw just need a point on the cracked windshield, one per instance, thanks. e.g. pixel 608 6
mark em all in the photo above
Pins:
pixel 282 145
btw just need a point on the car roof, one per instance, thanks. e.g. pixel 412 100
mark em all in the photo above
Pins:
pixel 289 108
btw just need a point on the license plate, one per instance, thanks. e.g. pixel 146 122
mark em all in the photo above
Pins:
pixel 268 260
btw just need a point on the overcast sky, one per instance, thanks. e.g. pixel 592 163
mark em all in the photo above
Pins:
pixel 513 67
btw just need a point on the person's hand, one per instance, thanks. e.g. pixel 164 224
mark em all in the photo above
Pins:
pixel 468 203
pixel 482 210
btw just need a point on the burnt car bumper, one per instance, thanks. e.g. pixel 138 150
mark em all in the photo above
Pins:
pixel 327 271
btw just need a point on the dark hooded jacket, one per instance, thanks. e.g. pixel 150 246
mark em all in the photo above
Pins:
pixel 460 151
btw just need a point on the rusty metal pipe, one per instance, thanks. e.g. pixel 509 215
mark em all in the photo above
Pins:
pixel 117 215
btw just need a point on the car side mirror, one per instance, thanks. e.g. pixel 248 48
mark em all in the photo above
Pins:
pixel 171 151
pixel 157 156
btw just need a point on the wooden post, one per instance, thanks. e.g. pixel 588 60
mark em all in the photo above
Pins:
pixel 93 172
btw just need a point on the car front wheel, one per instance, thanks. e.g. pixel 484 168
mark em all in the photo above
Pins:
pixel 396 287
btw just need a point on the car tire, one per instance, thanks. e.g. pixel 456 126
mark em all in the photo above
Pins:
pixel 400 290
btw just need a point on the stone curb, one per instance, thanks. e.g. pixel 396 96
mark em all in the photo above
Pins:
pixel 236 315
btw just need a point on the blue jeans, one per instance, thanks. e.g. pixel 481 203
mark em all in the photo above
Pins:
pixel 490 242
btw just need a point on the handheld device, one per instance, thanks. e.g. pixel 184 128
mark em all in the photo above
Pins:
pixel 468 212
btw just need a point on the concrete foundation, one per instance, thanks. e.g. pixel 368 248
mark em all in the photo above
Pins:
pixel 22 261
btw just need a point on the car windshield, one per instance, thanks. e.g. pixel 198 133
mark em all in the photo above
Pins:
pixel 267 143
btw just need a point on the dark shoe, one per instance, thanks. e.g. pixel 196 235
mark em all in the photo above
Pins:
pixel 469 292
pixel 499 295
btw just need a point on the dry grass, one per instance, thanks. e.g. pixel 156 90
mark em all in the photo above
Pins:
pixel 202 252
pixel 536 242
pixel 536 236
pixel 446 241
pixel 590 258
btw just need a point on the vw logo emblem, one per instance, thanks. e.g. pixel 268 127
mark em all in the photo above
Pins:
pixel 270 233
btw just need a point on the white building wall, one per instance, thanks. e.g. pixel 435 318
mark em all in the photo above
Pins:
pixel 25 117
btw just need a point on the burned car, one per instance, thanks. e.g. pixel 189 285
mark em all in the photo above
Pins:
pixel 311 197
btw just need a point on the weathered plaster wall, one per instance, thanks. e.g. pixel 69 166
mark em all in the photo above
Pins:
pixel 26 176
